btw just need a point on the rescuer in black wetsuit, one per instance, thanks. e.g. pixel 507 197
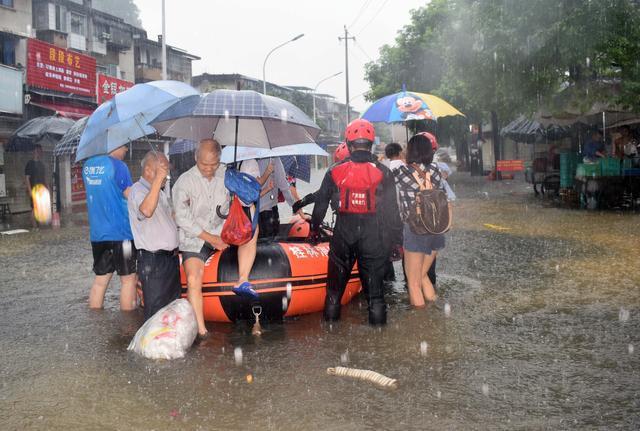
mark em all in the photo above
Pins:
pixel 367 226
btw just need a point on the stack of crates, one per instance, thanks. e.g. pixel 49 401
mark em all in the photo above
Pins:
pixel 568 166
pixel 610 167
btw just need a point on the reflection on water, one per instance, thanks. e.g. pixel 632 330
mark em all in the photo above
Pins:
pixel 543 320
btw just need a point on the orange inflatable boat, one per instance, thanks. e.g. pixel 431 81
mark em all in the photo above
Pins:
pixel 289 274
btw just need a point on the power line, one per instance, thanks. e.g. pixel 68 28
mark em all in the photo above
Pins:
pixel 374 16
pixel 362 50
pixel 364 5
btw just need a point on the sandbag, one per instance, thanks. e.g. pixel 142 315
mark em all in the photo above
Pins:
pixel 168 333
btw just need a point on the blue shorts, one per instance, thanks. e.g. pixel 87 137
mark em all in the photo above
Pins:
pixel 421 243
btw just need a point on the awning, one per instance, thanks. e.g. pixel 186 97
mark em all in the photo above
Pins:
pixel 69 111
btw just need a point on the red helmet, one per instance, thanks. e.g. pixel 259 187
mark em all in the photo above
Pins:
pixel 359 129
pixel 432 138
pixel 342 152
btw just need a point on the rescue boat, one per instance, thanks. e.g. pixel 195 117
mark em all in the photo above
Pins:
pixel 289 274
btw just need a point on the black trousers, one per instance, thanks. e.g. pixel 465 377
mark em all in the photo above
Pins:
pixel 159 274
pixel 269 222
pixel 344 249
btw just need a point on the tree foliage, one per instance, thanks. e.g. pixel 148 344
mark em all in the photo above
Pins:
pixel 125 9
pixel 512 57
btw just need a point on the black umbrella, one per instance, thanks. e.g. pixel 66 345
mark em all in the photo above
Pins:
pixel 42 130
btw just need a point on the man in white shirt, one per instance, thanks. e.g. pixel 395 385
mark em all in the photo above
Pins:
pixel 197 195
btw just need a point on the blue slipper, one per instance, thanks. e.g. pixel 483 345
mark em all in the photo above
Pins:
pixel 246 290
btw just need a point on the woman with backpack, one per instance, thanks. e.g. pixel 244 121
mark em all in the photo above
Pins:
pixel 426 213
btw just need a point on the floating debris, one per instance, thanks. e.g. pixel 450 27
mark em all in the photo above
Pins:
pixel 367 375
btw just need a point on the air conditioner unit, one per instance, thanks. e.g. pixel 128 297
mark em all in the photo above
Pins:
pixel 105 36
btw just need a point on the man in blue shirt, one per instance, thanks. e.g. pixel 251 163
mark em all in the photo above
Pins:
pixel 594 149
pixel 107 181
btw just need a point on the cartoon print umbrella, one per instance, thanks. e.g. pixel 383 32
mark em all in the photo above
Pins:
pixel 407 106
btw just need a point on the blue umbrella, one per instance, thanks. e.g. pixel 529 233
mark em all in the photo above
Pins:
pixel 297 167
pixel 238 117
pixel 126 117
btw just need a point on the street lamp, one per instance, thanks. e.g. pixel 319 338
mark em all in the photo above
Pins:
pixel 264 79
pixel 316 88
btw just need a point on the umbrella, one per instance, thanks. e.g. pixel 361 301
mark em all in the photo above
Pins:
pixel 70 140
pixel 408 105
pixel 240 118
pixel 181 146
pixel 247 153
pixel 126 117
pixel 297 167
pixel 48 129
pixel 524 130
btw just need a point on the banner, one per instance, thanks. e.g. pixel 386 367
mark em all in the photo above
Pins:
pixel 109 86
pixel 78 193
pixel 54 68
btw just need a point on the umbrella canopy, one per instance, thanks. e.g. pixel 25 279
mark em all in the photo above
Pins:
pixel 261 121
pixel 248 153
pixel 48 129
pixel 70 140
pixel 126 117
pixel 408 105
pixel 298 167
pixel 524 130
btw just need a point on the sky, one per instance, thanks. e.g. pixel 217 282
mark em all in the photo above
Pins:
pixel 235 37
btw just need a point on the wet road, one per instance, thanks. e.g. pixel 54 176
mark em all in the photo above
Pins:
pixel 542 334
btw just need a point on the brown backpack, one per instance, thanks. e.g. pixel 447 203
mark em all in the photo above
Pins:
pixel 430 213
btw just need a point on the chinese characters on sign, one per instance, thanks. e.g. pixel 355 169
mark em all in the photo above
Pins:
pixel 306 251
pixel 510 165
pixel 109 86
pixel 58 69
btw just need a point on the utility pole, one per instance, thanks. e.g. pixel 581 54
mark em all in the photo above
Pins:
pixel 346 64
pixel 164 44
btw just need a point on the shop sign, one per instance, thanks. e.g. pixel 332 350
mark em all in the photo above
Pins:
pixel 10 90
pixel 109 86
pixel 510 165
pixel 54 68
pixel 77 185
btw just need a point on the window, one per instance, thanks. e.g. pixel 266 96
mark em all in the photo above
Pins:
pixel 7 50
pixel 77 23
pixel 6 3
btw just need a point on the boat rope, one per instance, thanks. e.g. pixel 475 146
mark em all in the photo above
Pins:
pixel 367 375
pixel 257 329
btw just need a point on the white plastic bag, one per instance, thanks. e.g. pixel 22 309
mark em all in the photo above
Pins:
pixel 168 333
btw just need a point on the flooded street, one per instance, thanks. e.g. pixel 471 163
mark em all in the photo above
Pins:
pixel 542 333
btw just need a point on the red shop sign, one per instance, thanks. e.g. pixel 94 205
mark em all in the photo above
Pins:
pixel 54 68
pixel 77 184
pixel 109 86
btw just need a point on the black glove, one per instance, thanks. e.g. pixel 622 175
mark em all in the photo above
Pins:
pixel 314 236
pixel 308 199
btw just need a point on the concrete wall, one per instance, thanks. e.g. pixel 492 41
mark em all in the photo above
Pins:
pixel 18 19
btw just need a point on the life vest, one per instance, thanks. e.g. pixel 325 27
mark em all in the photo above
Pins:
pixel 357 183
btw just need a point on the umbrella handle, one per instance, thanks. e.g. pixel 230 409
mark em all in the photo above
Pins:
pixel 222 216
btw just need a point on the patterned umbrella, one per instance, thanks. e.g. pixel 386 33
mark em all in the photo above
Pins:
pixel 181 146
pixel 70 140
pixel 297 167
pixel 408 105
pixel 240 118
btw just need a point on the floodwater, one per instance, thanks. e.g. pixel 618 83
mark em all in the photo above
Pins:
pixel 542 333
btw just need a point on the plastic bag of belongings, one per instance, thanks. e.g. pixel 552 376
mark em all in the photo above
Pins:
pixel 168 333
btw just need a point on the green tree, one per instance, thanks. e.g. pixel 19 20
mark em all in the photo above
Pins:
pixel 125 9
